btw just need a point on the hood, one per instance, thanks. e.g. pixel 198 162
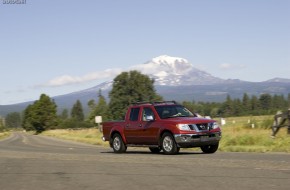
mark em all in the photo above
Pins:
pixel 189 120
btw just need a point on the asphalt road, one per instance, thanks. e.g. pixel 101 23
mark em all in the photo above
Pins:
pixel 30 162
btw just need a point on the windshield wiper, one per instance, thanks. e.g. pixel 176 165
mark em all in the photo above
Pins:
pixel 173 116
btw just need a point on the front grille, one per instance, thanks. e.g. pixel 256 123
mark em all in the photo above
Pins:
pixel 200 126
pixel 191 127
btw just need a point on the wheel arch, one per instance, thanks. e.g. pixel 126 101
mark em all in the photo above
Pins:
pixel 162 133
pixel 112 135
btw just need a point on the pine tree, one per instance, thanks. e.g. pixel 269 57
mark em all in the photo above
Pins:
pixel 246 102
pixel 288 99
pixel 64 114
pixel 28 118
pixel 41 115
pixel 265 102
pixel 237 107
pixel 1 124
pixel 13 120
pixel 227 107
pixel 255 105
pixel 99 109
pixel 130 87
pixel 77 112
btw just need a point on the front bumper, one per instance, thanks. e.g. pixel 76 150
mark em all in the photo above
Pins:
pixel 197 140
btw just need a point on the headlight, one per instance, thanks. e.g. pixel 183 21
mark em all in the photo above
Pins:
pixel 215 125
pixel 183 127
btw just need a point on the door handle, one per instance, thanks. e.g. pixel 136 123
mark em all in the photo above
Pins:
pixel 140 125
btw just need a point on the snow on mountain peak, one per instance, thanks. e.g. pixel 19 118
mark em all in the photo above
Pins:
pixel 167 70
pixel 165 59
pixel 170 65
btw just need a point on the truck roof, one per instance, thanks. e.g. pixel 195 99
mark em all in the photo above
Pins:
pixel 156 103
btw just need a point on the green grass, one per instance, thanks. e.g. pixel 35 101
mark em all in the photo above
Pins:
pixel 237 135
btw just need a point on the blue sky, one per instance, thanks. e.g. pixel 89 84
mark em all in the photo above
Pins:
pixel 88 42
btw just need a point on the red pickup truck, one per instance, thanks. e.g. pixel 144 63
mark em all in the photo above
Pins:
pixel 162 126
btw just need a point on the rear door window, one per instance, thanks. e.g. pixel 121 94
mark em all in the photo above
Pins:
pixel 134 114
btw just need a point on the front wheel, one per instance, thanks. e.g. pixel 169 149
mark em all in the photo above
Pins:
pixel 209 149
pixel 118 144
pixel 168 144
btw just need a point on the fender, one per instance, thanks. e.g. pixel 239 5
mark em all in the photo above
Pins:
pixel 161 131
pixel 119 129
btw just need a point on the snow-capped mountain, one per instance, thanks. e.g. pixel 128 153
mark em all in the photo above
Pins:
pixel 173 71
pixel 279 80
pixel 175 79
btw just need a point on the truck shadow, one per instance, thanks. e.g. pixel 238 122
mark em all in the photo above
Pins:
pixel 150 153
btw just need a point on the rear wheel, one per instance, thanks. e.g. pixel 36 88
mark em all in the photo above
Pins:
pixel 168 144
pixel 118 144
pixel 155 149
pixel 209 149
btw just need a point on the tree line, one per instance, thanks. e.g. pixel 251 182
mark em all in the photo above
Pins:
pixel 265 104
pixel 130 87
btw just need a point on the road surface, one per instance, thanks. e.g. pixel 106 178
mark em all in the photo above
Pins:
pixel 34 162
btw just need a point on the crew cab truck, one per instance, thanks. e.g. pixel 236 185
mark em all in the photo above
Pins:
pixel 162 126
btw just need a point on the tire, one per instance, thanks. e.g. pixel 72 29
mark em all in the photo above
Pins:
pixel 155 150
pixel 209 149
pixel 168 144
pixel 118 144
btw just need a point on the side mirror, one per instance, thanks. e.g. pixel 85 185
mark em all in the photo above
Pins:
pixel 149 118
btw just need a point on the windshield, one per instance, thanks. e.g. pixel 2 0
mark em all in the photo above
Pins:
pixel 169 111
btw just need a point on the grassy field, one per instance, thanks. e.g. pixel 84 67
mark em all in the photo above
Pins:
pixel 252 134
pixel 240 134
pixel 4 135
pixel 91 136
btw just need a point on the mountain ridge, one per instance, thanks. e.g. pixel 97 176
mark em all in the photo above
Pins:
pixel 175 79
pixel 205 93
